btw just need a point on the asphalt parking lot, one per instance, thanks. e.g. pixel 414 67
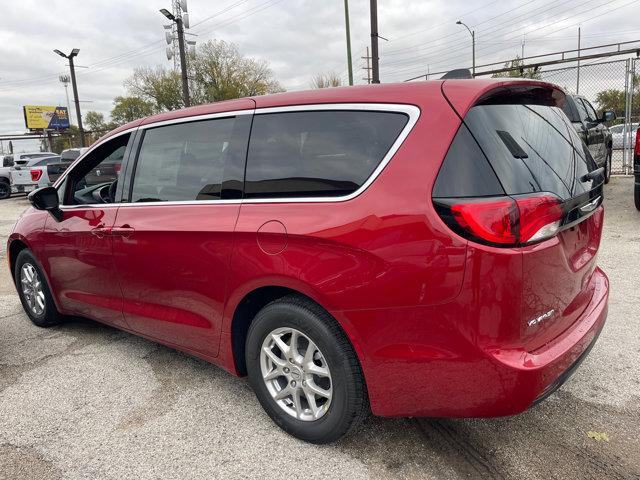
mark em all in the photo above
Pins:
pixel 85 401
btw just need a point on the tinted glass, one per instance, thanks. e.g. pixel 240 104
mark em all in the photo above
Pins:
pixel 591 112
pixel 465 171
pixel 47 161
pixel 183 162
pixel 554 156
pixel 317 153
pixel 582 111
pixel 70 154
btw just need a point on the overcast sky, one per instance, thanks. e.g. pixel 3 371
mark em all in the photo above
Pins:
pixel 298 38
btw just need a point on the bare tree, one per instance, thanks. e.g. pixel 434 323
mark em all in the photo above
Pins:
pixel 326 80
pixel 217 71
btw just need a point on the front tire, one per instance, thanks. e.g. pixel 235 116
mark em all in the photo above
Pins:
pixel 34 291
pixel 304 371
pixel 5 189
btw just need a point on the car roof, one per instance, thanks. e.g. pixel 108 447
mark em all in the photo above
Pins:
pixel 462 93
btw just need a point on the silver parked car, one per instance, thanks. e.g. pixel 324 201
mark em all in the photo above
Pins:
pixel 617 135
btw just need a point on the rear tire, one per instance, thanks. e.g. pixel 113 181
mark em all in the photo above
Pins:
pixel 316 408
pixel 607 166
pixel 636 192
pixel 34 291
pixel 5 189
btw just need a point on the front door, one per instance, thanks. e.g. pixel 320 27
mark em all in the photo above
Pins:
pixel 79 246
pixel 173 260
pixel 595 132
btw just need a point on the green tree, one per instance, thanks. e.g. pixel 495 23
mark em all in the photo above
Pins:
pixel 128 109
pixel 221 72
pixel 326 80
pixel 611 99
pixel 94 121
pixel 217 71
pixel 516 70
pixel 158 85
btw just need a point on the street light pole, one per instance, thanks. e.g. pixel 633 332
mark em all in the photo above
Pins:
pixel 473 47
pixel 183 57
pixel 74 86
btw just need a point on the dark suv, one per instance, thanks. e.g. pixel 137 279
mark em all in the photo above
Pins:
pixel 592 129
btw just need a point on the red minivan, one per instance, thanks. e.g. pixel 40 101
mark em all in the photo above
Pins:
pixel 416 249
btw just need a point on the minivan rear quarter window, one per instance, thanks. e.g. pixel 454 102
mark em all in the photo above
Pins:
pixel 317 153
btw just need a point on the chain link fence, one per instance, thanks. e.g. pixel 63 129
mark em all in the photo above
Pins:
pixel 608 85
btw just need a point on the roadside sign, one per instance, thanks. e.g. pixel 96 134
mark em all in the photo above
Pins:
pixel 38 117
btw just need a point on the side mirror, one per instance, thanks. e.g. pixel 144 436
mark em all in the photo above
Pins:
pixel 608 116
pixel 46 198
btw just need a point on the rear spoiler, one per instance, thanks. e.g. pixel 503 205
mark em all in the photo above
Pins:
pixel 464 94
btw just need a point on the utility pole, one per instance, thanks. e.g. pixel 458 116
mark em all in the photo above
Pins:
pixel 348 30
pixel 183 58
pixel 473 47
pixel 578 69
pixel 368 67
pixel 74 86
pixel 375 66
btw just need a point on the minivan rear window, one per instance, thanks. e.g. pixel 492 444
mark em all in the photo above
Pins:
pixel 317 153
pixel 532 148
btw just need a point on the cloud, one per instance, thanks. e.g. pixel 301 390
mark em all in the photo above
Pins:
pixel 298 38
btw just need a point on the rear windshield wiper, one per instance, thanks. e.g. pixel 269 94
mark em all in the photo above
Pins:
pixel 514 148
pixel 592 175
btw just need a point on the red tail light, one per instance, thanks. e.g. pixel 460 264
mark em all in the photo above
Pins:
pixel 35 175
pixel 117 167
pixel 503 221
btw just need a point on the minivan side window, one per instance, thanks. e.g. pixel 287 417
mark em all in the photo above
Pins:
pixel 95 178
pixel 184 161
pixel 325 153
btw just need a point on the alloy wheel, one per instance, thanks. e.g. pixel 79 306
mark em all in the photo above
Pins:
pixel 296 374
pixel 32 289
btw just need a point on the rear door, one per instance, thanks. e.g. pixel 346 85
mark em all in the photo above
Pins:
pixel 533 150
pixel 177 225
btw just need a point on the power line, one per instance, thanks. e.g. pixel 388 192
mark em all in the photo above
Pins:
pixel 448 58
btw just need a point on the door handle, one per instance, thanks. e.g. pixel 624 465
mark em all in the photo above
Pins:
pixel 100 231
pixel 123 231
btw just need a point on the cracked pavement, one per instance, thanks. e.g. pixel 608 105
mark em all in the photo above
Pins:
pixel 86 401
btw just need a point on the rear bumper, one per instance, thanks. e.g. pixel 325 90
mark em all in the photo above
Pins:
pixel 425 378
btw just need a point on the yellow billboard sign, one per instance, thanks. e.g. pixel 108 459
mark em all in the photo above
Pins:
pixel 39 117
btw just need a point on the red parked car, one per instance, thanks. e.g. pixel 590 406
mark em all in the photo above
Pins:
pixel 419 249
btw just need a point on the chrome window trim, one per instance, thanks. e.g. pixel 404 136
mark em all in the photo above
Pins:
pixel 412 111
pixel 195 118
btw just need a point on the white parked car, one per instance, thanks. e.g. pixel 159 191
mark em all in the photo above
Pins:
pixel 25 179
pixel 617 136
